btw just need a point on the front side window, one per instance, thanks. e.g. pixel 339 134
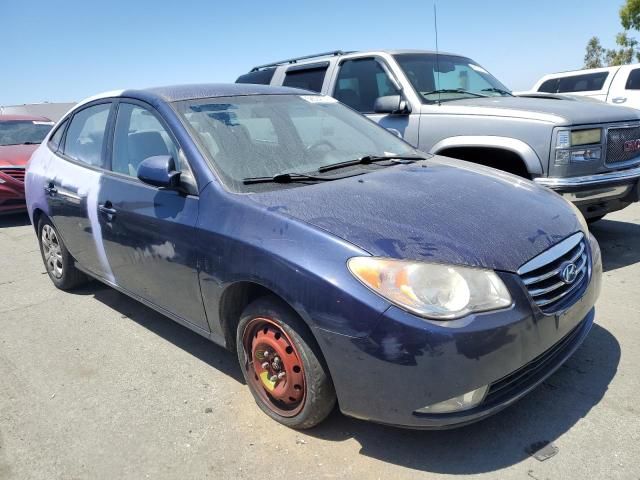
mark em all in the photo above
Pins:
pixel 307 79
pixel 139 135
pixel 23 132
pixel 85 136
pixel 442 78
pixel 633 82
pixel 266 135
pixel 360 82
pixel 260 77
pixel 582 83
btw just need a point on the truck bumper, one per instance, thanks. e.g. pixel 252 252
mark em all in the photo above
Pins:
pixel 599 194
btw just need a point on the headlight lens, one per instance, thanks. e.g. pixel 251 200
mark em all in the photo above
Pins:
pixel 586 137
pixel 432 290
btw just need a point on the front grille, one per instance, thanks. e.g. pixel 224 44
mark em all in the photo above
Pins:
pixel 616 138
pixel 16 173
pixel 547 276
pixel 536 369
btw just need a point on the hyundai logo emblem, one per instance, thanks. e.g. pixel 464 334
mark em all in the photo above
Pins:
pixel 568 273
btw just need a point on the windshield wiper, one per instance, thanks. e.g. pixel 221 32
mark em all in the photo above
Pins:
pixel 288 178
pixel 452 90
pixel 368 159
pixel 497 90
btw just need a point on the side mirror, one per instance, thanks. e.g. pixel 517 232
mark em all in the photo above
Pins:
pixel 391 104
pixel 159 171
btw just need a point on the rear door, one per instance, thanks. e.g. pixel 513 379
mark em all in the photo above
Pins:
pixel 359 82
pixel 148 232
pixel 625 88
pixel 73 183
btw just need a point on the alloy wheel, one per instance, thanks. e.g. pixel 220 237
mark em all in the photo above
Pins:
pixel 52 251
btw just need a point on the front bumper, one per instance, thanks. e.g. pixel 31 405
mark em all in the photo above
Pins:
pixel 408 362
pixel 598 194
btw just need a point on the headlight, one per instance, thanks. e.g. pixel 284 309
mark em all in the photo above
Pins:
pixel 432 290
pixel 574 138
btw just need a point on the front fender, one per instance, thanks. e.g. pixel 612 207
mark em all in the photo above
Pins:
pixel 520 148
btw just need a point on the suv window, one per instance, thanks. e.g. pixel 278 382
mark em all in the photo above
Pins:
pixel 633 81
pixel 360 82
pixel 308 78
pixel 139 135
pixel 85 135
pixel 260 77
pixel 575 83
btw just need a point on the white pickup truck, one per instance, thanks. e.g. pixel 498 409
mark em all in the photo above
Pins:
pixel 617 85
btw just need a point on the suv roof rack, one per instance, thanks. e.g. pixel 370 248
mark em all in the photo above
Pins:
pixel 296 59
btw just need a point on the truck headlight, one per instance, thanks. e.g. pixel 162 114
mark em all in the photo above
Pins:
pixel 432 290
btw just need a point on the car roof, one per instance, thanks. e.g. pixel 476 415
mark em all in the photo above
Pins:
pixel 32 118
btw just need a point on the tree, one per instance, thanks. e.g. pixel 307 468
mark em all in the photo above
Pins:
pixel 595 54
pixel 630 15
pixel 628 52
pixel 624 55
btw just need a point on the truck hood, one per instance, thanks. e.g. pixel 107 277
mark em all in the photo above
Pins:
pixel 439 210
pixel 16 155
pixel 546 109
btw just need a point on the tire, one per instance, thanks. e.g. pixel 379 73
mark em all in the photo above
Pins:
pixel 57 260
pixel 304 396
pixel 594 219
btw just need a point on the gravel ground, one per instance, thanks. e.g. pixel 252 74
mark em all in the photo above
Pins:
pixel 95 385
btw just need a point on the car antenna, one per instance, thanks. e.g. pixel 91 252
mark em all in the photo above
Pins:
pixel 435 25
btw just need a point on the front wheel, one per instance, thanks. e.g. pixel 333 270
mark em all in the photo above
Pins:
pixel 282 365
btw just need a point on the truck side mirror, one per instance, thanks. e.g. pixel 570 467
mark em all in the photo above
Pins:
pixel 393 104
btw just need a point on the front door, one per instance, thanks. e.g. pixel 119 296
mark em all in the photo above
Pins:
pixel 149 233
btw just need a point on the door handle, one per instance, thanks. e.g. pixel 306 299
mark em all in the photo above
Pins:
pixel 50 189
pixel 619 99
pixel 107 209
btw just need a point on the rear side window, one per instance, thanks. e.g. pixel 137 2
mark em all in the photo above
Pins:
pixel 56 138
pixel 308 78
pixel 85 136
pixel 633 82
pixel 360 82
pixel 549 86
pixel 260 77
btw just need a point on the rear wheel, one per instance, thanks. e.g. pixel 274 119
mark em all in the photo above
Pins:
pixel 57 259
pixel 282 365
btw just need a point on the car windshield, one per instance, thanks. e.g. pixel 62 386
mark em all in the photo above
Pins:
pixel 445 78
pixel 20 132
pixel 267 135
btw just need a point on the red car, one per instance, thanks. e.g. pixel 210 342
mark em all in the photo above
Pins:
pixel 20 135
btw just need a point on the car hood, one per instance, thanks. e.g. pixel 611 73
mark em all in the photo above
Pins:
pixel 439 210
pixel 16 155
pixel 553 110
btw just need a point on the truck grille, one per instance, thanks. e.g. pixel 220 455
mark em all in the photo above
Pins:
pixel 557 277
pixel 616 138
pixel 16 173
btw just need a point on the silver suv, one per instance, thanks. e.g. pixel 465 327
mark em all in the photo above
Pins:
pixel 448 104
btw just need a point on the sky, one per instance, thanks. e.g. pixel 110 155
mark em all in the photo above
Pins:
pixel 71 49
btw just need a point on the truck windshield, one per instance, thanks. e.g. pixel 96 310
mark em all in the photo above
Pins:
pixel 258 136
pixel 448 77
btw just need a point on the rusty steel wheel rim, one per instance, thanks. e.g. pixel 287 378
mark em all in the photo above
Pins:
pixel 274 367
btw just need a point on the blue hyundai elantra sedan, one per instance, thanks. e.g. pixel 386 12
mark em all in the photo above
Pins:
pixel 341 264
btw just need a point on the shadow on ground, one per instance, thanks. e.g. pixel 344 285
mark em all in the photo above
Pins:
pixel 619 242
pixel 14 220
pixel 493 444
